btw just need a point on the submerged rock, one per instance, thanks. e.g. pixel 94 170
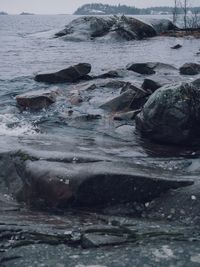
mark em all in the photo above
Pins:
pixel 171 114
pixel 113 27
pixel 190 69
pixel 178 46
pixel 71 74
pixel 37 99
pixel 90 184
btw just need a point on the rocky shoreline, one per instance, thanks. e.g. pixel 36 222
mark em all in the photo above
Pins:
pixel 86 201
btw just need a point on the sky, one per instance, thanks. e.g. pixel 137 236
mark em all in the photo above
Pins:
pixel 69 6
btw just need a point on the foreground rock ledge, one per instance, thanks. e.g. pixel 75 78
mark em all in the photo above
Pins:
pixel 71 74
pixel 56 184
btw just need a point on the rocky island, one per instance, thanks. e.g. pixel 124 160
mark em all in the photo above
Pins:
pixel 26 13
pixel 3 13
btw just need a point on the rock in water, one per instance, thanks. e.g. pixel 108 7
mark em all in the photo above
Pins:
pixel 114 27
pixel 150 68
pixel 176 46
pixel 37 99
pixel 171 114
pixel 190 69
pixel 58 184
pixel 141 68
pixel 71 74
pixel 87 27
pixel 155 82
pixel 129 100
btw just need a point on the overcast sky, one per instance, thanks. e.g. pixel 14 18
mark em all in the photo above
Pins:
pixel 69 6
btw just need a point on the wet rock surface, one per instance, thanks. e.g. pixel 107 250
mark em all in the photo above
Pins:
pixel 90 184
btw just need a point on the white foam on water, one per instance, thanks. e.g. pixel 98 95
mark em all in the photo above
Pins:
pixel 13 126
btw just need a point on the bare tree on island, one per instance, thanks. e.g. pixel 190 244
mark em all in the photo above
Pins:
pixel 185 11
pixel 183 7
pixel 183 4
pixel 175 11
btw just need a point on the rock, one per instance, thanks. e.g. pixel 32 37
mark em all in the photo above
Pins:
pixel 196 83
pixel 131 99
pixel 109 74
pixel 176 46
pixel 86 28
pixel 171 114
pixel 126 115
pixel 76 99
pixel 178 205
pixel 71 74
pixel 55 184
pixel 154 83
pixel 142 68
pixel 190 69
pixel 37 99
pixel 128 28
pixel 150 68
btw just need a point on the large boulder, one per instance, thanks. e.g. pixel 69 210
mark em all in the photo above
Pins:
pixel 190 69
pixel 36 100
pixel 171 114
pixel 57 184
pixel 71 74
